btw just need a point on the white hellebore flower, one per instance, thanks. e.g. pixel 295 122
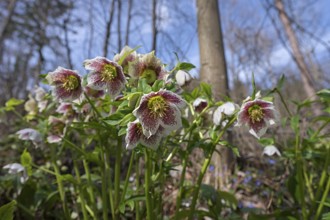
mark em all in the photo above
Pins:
pixel 271 150
pixel 14 168
pixel 182 77
pixel 227 109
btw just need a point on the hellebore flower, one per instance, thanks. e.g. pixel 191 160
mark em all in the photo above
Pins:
pixel 93 93
pixel 67 84
pixel 159 109
pixel 199 104
pixel 271 150
pixel 130 57
pixel 149 67
pixel 14 168
pixel 258 115
pixel 29 134
pixel 56 131
pixel 227 109
pixel 182 78
pixel 135 136
pixel 106 75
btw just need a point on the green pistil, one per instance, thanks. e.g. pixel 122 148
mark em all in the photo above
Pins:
pixel 109 72
pixel 71 83
pixel 150 75
pixel 256 114
pixel 157 105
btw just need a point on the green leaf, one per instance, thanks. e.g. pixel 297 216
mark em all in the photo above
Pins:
pixel 295 123
pixel 280 82
pixel 11 103
pixel 266 141
pixel 324 93
pixel 184 66
pixel 206 88
pixel 7 211
pixel 26 161
pixel 229 198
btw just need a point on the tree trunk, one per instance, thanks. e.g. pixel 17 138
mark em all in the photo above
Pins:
pixel 154 26
pixel 5 22
pixel 296 52
pixel 214 72
pixel 212 55
pixel 108 29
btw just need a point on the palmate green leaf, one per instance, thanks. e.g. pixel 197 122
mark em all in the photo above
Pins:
pixel 206 88
pixel 11 103
pixel 7 211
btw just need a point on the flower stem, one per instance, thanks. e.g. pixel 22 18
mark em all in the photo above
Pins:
pixel 81 196
pixel 90 188
pixel 60 185
pixel 206 163
pixel 147 179
pixel 182 178
pixel 117 177
pixel 137 183
pixel 104 186
pixel 127 176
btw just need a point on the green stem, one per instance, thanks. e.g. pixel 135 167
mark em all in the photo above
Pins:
pixel 129 171
pixel 300 171
pixel 104 186
pixel 90 189
pixel 182 178
pixel 283 101
pixel 147 179
pixel 81 194
pixel 206 163
pixel 137 183
pixel 324 197
pixel 61 190
pixel 109 180
pixel 117 176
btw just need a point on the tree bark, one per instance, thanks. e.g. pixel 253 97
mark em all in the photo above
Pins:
pixel 212 55
pixel 296 52
pixel 5 22
pixel 214 72
pixel 128 24
pixel 108 29
pixel 154 26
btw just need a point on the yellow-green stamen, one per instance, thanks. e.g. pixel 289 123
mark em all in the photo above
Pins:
pixel 157 105
pixel 71 83
pixel 150 75
pixel 109 72
pixel 256 114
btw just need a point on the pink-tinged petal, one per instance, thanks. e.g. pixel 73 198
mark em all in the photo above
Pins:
pixel 135 68
pixel 151 142
pixel 263 104
pixel 128 52
pixel 172 118
pixel 133 135
pixel 173 98
pixel 94 81
pixel 96 64
pixel 54 139
pixel 29 134
pixel 150 124
pixel 93 92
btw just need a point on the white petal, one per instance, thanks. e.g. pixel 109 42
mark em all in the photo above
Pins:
pixel 270 150
pixel 198 101
pixel 217 116
pixel 14 168
pixel 228 108
pixel 182 77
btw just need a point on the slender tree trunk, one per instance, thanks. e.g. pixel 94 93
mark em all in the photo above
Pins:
pixel 108 29
pixel 128 24
pixel 214 72
pixel 296 52
pixel 154 25
pixel 67 43
pixel 212 55
pixel 119 24
pixel 5 22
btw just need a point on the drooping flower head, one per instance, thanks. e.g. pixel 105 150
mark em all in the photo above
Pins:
pixel 135 136
pixel 30 134
pixel 149 67
pixel 130 56
pixel 105 75
pixel 56 130
pixel 182 78
pixel 159 109
pixel 271 150
pixel 67 84
pixel 258 115
pixel 226 109
pixel 199 104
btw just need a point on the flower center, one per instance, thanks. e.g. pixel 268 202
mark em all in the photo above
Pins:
pixel 256 114
pixel 157 105
pixel 150 75
pixel 109 72
pixel 71 83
